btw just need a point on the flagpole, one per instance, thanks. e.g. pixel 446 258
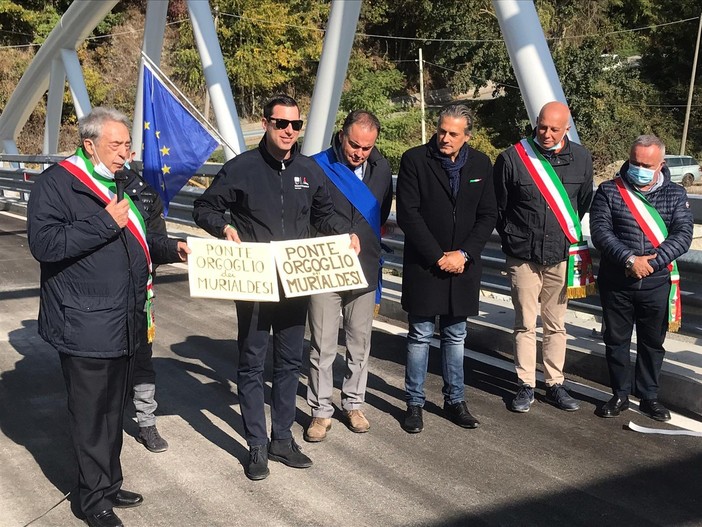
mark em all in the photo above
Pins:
pixel 163 77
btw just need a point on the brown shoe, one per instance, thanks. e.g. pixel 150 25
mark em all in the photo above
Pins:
pixel 357 421
pixel 318 429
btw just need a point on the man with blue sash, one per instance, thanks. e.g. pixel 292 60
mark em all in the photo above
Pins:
pixel 359 181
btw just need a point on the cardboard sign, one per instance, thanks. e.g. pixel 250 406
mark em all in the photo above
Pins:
pixel 229 270
pixel 318 265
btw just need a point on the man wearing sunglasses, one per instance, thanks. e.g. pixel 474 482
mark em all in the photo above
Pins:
pixel 360 183
pixel 273 193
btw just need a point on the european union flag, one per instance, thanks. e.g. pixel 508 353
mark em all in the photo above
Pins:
pixel 175 143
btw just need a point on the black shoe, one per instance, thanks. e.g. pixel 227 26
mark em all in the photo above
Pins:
pixel 654 409
pixel 459 414
pixel 558 396
pixel 288 452
pixel 151 439
pixel 614 407
pixel 413 422
pixel 104 519
pixel 523 400
pixel 125 499
pixel 258 463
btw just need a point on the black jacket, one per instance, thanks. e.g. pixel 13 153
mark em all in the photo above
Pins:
pixel 435 222
pixel 93 274
pixel 378 178
pixel 528 228
pixel 617 235
pixel 268 200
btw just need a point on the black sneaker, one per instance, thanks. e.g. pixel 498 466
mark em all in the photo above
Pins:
pixel 288 452
pixel 523 400
pixel 258 463
pixel 558 396
pixel 459 414
pixel 151 439
pixel 413 422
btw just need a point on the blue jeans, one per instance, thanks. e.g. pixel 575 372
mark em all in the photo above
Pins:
pixel 453 336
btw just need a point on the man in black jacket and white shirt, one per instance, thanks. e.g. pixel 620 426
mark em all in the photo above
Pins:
pixel 272 193
pixel 640 222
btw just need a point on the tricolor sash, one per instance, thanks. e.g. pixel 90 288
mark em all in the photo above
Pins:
pixel 581 279
pixel 653 226
pixel 105 189
pixel 358 194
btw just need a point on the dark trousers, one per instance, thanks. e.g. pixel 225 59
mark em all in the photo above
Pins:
pixel 96 389
pixel 287 318
pixel 647 309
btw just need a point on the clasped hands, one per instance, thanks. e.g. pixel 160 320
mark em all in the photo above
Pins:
pixel 641 268
pixel 452 262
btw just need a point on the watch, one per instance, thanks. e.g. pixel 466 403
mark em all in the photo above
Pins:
pixel 630 262
pixel 465 255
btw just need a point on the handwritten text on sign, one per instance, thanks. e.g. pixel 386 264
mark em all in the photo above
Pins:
pixel 318 265
pixel 224 269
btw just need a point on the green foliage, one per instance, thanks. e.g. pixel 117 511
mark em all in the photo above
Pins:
pixel 400 132
pixel 269 46
pixel 371 90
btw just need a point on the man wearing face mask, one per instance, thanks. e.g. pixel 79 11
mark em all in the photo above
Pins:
pixel 96 259
pixel 640 222
pixel 538 227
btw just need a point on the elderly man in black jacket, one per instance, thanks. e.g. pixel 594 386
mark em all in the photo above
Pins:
pixel 446 208
pixel 641 222
pixel 544 187
pixel 95 255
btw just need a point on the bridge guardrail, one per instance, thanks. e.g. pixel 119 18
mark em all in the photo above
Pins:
pixel 16 183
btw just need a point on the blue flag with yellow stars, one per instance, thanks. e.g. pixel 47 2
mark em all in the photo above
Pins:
pixel 175 143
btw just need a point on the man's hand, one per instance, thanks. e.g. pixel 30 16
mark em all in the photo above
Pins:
pixel 231 234
pixel 183 251
pixel 119 210
pixel 641 268
pixel 452 262
pixel 355 243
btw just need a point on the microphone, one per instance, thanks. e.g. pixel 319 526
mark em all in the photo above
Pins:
pixel 120 179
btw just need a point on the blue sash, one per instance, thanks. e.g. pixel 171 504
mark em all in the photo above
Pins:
pixel 358 194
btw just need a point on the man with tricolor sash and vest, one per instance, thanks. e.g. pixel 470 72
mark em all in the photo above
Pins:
pixel 359 181
pixel 96 296
pixel 641 223
pixel 544 188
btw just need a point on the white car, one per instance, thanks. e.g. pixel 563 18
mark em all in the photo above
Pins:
pixel 683 169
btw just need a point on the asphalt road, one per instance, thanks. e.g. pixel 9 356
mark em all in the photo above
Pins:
pixel 543 468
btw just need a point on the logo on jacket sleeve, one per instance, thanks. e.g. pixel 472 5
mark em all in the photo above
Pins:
pixel 300 182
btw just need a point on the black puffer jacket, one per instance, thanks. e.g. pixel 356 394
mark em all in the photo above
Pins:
pixel 528 228
pixel 617 236
pixel 93 274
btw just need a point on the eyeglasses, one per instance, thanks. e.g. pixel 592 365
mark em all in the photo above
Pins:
pixel 282 124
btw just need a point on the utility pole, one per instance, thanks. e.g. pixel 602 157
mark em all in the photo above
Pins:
pixel 207 92
pixel 421 95
pixel 692 89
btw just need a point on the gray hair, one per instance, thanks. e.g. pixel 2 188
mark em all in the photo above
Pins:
pixel 458 111
pixel 649 140
pixel 90 126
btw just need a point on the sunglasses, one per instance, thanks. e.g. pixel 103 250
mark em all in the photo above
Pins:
pixel 282 124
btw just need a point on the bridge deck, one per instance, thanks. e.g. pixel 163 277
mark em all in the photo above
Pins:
pixel 543 468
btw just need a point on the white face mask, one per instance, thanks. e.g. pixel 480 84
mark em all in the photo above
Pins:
pixel 100 167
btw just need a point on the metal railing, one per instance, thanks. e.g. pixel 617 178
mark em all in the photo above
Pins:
pixel 16 183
